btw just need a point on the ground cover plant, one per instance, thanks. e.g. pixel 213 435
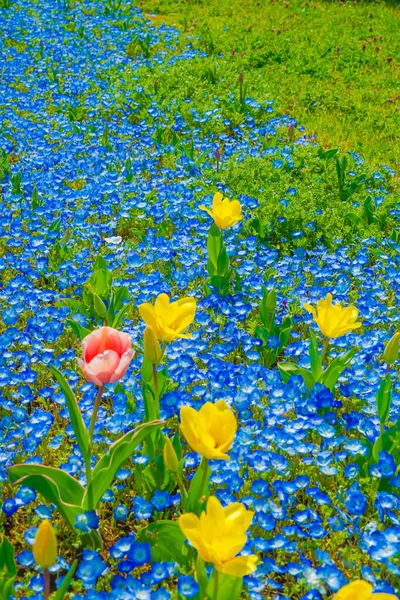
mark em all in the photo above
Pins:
pixel 199 329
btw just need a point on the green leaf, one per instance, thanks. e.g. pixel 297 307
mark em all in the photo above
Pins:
pixel 376 448
pixel 223 262
pixel 315 359
pixel 121 315
pixel 327 154
pixel 80 332
pixel 332 373
pixel 53 484
pixel 8 568
pixel 99 306
pixel 81 434
pixel 214 244
pixel 384 398
pixel 284 337
pixel 105 470
pixel 228 587
pixel 353 218
pixel 288 369
pixel 167 542
pixel 201 576
pixel 268 307
pixel 62 590
pixel 200 479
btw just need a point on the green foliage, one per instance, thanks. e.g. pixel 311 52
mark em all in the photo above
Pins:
pixel 167 542
pixel 220 274
pixel 270 329
pixel 8 568
pixel 327 377
pixel 99 301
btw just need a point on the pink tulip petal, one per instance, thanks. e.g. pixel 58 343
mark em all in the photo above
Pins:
pixel 104 365
pixel 88 373
pixel 123 365
pixel 105 338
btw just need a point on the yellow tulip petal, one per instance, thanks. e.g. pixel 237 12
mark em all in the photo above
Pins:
pixel 357 590
pixel 148 315
pixel 381 596
pixel 239 566
pixel 217 199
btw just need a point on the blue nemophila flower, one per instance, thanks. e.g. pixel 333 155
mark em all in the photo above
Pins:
pixel 161 500
pixel 187 586
pixel 91 567
pixel 139 553
pixel 141 508
pixel 87 521
pixel 355 501
pixel 120 512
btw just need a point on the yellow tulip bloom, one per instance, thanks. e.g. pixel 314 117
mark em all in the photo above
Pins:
pixel 332 319
pixel 219 534
pixel 168 320
pixel 224 211
pixel 211 431
pixel 45 545
pixel 361 590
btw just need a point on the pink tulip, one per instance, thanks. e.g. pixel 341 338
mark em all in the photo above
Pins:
pixel 106 355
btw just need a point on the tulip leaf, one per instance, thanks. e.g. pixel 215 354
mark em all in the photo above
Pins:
pixel 62 590
pixel 214 245
pixel 106 468
pixel 53 484
pixel 336 368
pixel 121 315
pixel 201 576
pixel 8 568
pixel 99 306
pixel 384 398
pixel 167 542
pixel 228 587
pixel 315 359
pixel 284 337
pixel 223 263
pixel 80 332
pixel 288 369
pixel 81 434
pixel 198 488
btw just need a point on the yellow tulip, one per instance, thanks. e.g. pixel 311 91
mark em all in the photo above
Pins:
pixel 170 457
pixel 361 590
pixel 151 347
pixel 332 319
pixel 168 320
pixel 45 545
pixel 219 534
pixel 211 431
pixel 392 349
pixel 224 211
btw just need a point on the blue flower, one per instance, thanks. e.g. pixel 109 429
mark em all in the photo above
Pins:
pixel 355 501
pixel 87 521
pixel 139 553
pixel 187 586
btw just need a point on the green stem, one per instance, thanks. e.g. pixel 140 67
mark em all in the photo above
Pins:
pixel 156 391
pixel 88 460
pixel 204 465
pixel 324 350
pixel 94 414
pixel 46 575
pixel 215 592
pixel 184 494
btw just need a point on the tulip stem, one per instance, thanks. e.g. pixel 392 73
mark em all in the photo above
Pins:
pixel 156 391
pixel 94 414
pixel 215 593
pixel 46 575
pixel 324 350
pixel 204 465
pixel 184 494
pixel 88 459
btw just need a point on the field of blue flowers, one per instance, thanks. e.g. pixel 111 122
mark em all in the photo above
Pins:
pixel 103 182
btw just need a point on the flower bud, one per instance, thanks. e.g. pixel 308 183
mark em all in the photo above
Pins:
pixel 152 350
pixel 170 457
pixel 45 545
pixel 391 352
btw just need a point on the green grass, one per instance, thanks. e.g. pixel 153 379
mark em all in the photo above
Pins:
pixel 332 65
